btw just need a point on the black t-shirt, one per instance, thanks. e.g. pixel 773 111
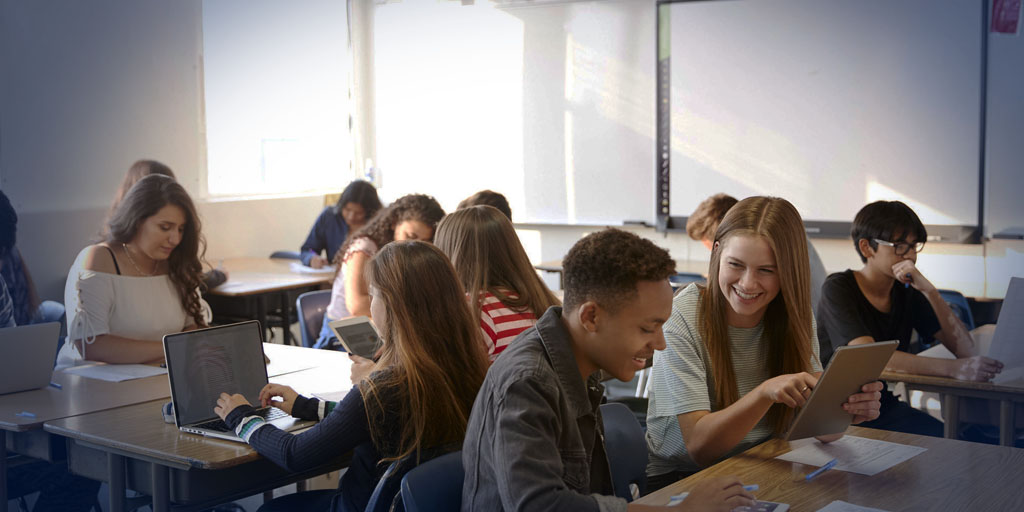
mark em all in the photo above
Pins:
pixel 844 313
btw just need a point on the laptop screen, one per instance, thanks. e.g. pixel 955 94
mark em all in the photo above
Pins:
pixel 205 363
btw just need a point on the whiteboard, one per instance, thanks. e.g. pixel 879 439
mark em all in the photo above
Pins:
pixel 830 104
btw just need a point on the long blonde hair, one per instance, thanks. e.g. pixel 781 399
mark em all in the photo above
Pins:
pixel 431 362
pixel 787 321
pixel 487 256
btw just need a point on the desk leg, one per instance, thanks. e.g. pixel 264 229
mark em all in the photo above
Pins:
pixel 261 315
pixel 3 468
pixel 161 488
pixel 115 479
pixel 286 316
pixel 1007 427
pixel 951 413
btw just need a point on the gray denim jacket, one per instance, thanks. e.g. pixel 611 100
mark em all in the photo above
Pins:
pixel 535 439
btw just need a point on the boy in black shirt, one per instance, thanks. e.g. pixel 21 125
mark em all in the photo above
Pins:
pixel 886 299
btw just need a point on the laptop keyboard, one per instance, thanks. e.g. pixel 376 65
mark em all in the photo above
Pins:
pixel 267 413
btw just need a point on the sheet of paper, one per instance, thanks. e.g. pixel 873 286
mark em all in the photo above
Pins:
pixel 116 372
pixel 302 269
pixel 855 454
pixel 842 506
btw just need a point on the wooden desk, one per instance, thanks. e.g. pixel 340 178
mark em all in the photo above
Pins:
pixel 131 447
pixel 79 395
pixel 951 475
pixel 253 280
pixel 953 391
pixel 690 266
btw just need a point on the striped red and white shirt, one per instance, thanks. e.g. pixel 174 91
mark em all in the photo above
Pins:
pixel 500 324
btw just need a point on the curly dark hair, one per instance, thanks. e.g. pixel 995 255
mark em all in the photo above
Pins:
pixel 606 266
pixel 381 228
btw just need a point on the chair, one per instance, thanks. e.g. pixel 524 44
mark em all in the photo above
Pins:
pixel 627 450
pixel 436 485
pixel 286 255
pixel 311 307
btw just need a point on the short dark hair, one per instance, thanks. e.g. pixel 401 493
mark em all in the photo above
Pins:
pixel 489 198
pixel 606 266
pixel 704 221
pixel 891 221
pixel 362 193
pixel 8 225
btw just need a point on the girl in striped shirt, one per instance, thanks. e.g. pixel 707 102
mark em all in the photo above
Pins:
pixel 502 286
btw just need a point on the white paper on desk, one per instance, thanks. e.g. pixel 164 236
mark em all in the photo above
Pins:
pixel 855 454
pixel 302 269
pixel 842 506
pixel 116 372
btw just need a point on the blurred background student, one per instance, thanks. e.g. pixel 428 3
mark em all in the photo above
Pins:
pixel 489 198
pixel 356 206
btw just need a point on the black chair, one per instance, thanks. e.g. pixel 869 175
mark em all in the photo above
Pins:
pixel 311 307
pixel 627 450
pixel 436 485
pixel 286 255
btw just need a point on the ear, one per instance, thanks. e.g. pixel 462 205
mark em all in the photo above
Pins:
pixel 588 316
pixel 865 248
pixel 714 247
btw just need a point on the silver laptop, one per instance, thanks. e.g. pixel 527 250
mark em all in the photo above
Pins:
pixel 1007 345
pixel 28 356
pixel 204 363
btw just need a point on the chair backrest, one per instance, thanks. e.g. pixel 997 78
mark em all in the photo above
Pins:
pixel 627 450
pixel 958 303
pixel 286 255
pixel 311 307
pixel 436 485
pixel 386 495
pixel 683 279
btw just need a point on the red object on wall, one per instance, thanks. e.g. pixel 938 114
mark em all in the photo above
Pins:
pixel 1005 16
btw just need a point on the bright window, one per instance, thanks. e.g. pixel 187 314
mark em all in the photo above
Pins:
pixel 276 97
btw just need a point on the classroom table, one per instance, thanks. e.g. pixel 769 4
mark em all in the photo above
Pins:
pixel 79 395
pixel 132 447
pixel 953 391
pixel 252 281
pixel 951 475
pixel 688 266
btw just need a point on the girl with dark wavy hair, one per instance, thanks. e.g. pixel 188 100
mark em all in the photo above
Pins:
pixel 141 282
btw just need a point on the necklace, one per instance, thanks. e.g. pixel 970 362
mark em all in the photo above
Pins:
pixel 137 269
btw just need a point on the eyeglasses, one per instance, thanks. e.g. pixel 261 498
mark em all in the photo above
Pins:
pixel 901 248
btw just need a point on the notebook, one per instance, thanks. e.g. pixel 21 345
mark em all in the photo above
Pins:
pixel 204 363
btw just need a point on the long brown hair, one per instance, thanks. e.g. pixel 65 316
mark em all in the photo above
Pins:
pixel 145 199
pixel 787 321
pixel 140 169
pixel 487 256
pixel 381 228
pixel 432 360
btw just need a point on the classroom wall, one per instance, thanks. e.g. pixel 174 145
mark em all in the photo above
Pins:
pixel 87 88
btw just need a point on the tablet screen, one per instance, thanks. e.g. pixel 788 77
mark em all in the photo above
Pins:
pixel 357 335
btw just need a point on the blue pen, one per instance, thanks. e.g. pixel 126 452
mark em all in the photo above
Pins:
pixel 907 284
pixel 829 465
pixel 25 414
pixel 55 385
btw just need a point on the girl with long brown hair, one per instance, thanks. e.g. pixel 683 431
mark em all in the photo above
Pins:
pixel 501 285
pixel 415 403
pixel 742 352
pixel 140 282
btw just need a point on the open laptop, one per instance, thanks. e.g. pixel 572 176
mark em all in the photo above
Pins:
pixel 28 353
pixel 1008 340
pixel 204 363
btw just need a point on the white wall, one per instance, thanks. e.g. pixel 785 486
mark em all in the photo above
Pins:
pixel 87 88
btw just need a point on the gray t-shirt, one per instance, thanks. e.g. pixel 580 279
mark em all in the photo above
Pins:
pixel 680 383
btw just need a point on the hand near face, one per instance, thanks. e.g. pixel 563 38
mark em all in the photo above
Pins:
pixel 906 271
pixel 227 403
pixel 864 406
pixel 361 367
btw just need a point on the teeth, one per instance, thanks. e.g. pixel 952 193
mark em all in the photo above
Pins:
pixel 640 359
pixel 745 295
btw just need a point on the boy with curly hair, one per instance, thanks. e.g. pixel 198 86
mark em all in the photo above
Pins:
pixel 535 439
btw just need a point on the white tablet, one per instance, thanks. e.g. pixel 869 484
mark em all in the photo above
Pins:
pixel 850 368
pixel 358 335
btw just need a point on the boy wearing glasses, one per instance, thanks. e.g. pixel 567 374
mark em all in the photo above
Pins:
pixel 886 299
